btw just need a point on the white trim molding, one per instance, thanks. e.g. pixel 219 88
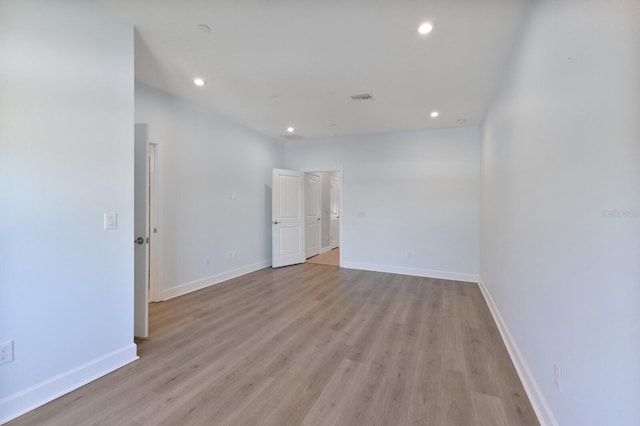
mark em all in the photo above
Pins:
pixel 35 396
pixel 416 272
pixel 538 401
pixel 325 249
pixel 181 289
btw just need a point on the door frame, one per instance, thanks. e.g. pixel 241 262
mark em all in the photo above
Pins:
pixel 333 169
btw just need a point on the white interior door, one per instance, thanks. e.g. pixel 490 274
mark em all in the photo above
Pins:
pixel 141 229
pixel 287 218
pixel 153 227
pixel 334 213
pixel 312 214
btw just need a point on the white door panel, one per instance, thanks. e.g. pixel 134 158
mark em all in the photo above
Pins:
pixel 313 239
pixel 334 200
pixel 141 227
pixel 289 204
pixel 288 236
pixel 312 214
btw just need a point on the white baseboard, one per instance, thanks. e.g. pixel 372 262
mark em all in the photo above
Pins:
pixel 181 289
pixel 325 249
pixel 538 401
pixel 24 401
pixel 416 272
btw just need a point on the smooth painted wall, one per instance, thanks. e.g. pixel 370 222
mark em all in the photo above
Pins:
pixel 204 160
pixel 66 158
pixel 561 206
pixel 410 200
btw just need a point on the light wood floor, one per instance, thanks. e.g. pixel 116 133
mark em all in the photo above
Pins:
pixel 331 258
pixel 310 345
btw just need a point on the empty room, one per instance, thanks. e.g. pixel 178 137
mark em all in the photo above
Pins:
pixel 298 212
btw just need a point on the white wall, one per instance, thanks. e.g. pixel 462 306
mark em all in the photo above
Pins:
pixel 66 157
pixel 202 160
pixel 561 143
pixel 418 193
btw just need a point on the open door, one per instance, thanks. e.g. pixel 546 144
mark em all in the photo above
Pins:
pixel 312 214
pixel 334 214
pixel 288 228
pixel 141 231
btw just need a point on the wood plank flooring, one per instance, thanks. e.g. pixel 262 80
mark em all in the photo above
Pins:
pixel 310 345
pixel 331 258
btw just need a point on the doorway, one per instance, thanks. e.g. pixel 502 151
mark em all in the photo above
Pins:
pixel 292 226
pixel 326 215
pixel 313 214
pixel 145 227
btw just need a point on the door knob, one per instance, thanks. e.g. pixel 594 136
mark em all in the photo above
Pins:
pixel 139 240
pixel 276 222
pixel 318 219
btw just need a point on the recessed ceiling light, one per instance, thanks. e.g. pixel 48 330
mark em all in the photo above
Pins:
pixel 290 129
pixel 198 81
pixel 461 120
pixel 434 114
pixel 425 28
pixel 204 28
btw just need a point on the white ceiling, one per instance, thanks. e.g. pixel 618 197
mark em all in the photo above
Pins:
pixel 270 64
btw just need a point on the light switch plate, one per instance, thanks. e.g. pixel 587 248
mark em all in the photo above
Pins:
pixel 110 221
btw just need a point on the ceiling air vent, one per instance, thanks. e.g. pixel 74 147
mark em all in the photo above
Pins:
pixel 362 97
pixel 291 136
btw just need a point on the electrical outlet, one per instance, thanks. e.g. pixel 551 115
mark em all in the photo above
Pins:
pixel 208 261
pixel 557 377
pixel 232 255
pixel 6 352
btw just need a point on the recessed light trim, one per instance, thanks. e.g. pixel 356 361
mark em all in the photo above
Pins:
pixel 434 114
pixel 290 129
pixel 204 28
pixel 199 82
pixel 425 28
